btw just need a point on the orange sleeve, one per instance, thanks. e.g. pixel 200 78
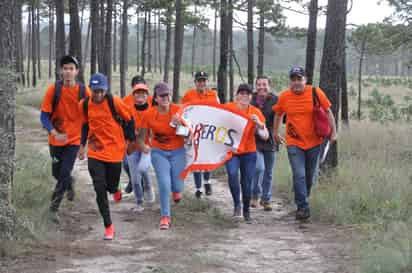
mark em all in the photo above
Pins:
pixel 47 104
pixel 278 108
pixel 186 98
pixel 122 109
pixel 261 116
pixel 88 92
pixel 323 99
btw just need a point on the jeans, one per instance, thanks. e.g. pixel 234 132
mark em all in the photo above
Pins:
pixel 139 164
pixel 262 181
pixel 198 178
pixel 63 158
pixel 305 167
pixel 106 177
pixel 246 163
pixel 168 165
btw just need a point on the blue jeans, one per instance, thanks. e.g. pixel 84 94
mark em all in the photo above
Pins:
pixel 262 182
pixel 168 165
pixel 198 178
pixel 139 164
pixel 246 163
pixel 305 166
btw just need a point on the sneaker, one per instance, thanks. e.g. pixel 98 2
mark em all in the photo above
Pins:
pixel 198 194
pixel 302 214
pixel 54 217
pixel 164 223
pixel 208 189
pixel 129 188
pixel 254 202
pixel 267 205
pixel 246 216
pixel 149 195
pixel 117 196
pixel 177 196
pixel 237 212
pixel 109 233
pixel 70 192
pixel 139 208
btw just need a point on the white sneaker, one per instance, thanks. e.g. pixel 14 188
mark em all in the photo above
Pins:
pixel 138 208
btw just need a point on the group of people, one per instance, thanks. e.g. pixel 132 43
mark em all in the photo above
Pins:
pixel 139 131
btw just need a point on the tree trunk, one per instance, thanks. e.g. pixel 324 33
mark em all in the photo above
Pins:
pixel 115 39
pixel 361 58
pixel 60 36
pixel 18 28
pixel 311 40
pixel 123 51
pixel 107 59
pixel 261 42
pixel 331 65
pixel 168 43
pixel 194 44
pixel 28 45
pixel 224 44
pixel 101 37
pixel 137 41
pixel 75 46
pixel 143 55
pixel 250 48
pixel 214 42
pixel 38 39
pixel 149 42
pixel 94 17
pixel 158 43
pixel 33 44
pixel 7 112
pixel 179 29
pixel 154 35
pixel 86 47
pixel 344 95
pixel 231 51
pixel 51 35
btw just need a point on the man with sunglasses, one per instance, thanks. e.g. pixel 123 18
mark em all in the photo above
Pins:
pixel 201 93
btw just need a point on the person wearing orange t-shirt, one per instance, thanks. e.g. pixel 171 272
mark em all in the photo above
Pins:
pixel 129 100
pixel 106 143
pixel 167 149
pixel 138 161
pixel 201 93
pixel 245 160
pixel 60 116
pixel 303 144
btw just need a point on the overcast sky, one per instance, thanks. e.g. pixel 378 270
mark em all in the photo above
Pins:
pixel 363 12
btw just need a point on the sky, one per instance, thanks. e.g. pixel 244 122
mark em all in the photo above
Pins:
pixel 363 12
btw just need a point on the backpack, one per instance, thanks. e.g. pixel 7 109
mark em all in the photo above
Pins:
pixel 58 85
pixel 128 127
pixel 320 117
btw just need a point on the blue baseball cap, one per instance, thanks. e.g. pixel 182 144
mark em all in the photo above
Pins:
pixel 98 81
pixel 297 71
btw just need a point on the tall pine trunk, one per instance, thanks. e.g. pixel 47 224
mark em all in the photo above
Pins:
pixel 123 51
pixel 250 47
pixel 137 41
pixel 60 35
pixel 231 52
pixel 158 42
pixel 214 42
pixel 115 39
pixel 38 39
pixel 311 40
pixel 224 47
pixel 94 17
pixel 107 56
pixel 143 54
pixel 75 45
pixel 168 43
pixel 261 42
pixel 331 65
pixel 179 29
pixel 33 44
pixel 51 36
pixel 149 42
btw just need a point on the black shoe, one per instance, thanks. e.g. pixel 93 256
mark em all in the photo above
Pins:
pixel 198 194
pixel 208 189
pixel 302 214
pixel 129 188
pixel 246 216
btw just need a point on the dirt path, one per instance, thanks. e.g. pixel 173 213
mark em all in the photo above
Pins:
pixel 203 238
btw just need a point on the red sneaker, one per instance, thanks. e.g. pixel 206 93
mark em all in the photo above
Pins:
pixel 117 196
pixel 177 196
pixel 109 233
pixel 164 223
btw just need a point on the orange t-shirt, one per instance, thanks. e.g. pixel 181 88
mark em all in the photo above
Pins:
pixel 250 146
pixel 193 95
pixel 163 136
pixel 300 129
pixel 65 118
pixel 106 139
